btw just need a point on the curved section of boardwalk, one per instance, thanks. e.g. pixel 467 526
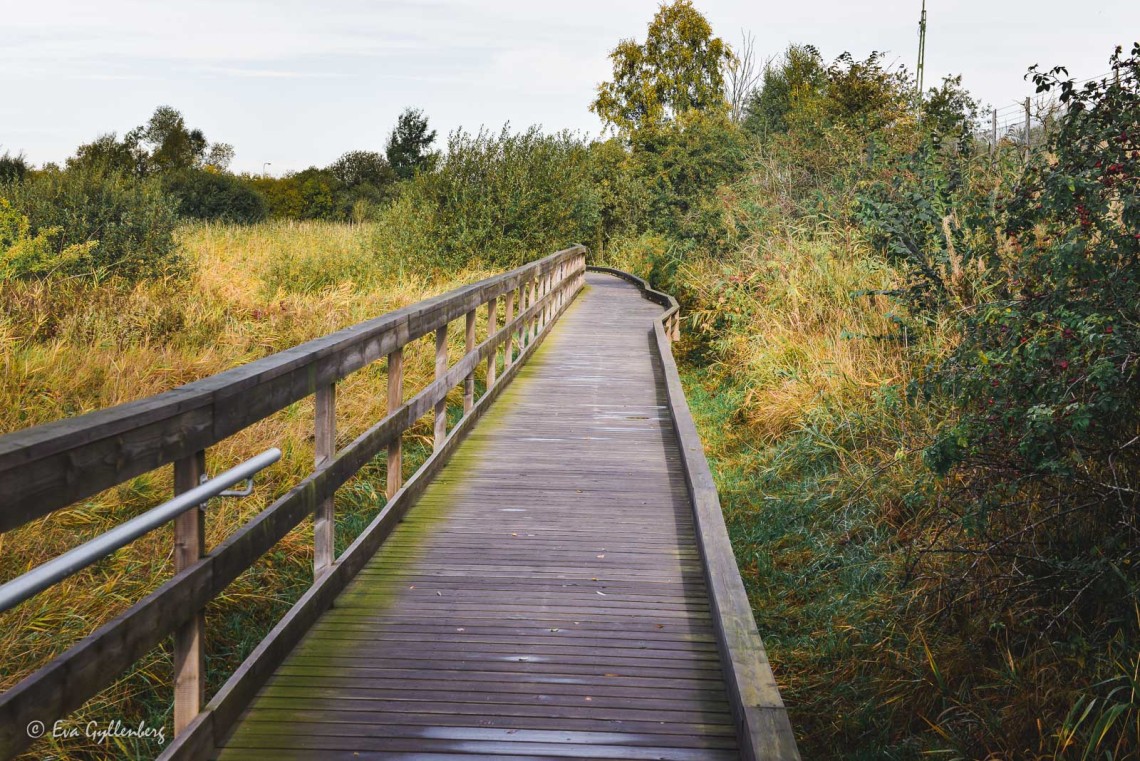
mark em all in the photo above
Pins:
pixel 543 599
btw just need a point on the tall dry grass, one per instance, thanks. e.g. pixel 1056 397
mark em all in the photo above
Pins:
pixel 67 347
pixel 798 379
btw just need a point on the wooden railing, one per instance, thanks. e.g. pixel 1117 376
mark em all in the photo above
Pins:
pixel 762 724
pixel 49 467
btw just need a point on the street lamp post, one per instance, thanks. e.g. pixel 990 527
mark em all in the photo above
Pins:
pixel 267 163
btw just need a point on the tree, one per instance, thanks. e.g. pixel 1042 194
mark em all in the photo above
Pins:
pixel 409 144
pixel 163 144
pixel 108 153
pixel 678 69
pixel 949 110
pixel 799 75
pixel 13 168
pixel 742 76
pixel 357 168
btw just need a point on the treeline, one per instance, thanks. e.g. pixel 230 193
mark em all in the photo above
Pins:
pixel 111 210
pixel 194 172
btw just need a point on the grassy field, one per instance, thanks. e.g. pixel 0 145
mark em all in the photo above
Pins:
pixel 70 347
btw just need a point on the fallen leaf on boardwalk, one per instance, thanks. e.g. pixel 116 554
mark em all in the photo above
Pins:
pixel 603 594
pixel 439 594
pixel 611 674
pixel 601 556
pixel 555 630
pixel 460 629
pixel 660 626
pixel 588 699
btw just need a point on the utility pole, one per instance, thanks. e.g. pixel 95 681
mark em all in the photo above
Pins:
pixel 995 135
pixel 920 71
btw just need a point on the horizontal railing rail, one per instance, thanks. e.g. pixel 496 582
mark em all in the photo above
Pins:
pixel 762 725
pixel 49 467
pixel 27 585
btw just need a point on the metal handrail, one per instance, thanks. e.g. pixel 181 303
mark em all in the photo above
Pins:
pixel 40 578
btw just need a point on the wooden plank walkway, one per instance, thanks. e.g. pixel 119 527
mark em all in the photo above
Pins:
pixel 543 599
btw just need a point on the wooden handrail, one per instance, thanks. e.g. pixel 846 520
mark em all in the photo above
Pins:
pixel 762 725
pixel 53 465
pixel 48 467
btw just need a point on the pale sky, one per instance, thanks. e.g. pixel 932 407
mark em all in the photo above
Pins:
pixel 298 83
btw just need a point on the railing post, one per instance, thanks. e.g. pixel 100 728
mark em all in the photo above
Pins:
pixel 533 301
pixel 540 320
pixel 395 400
pixel 440 371
pixel 189 639
pixel 547 284
pixel 546 280
pixel 324 522
pixel 468 347
pixel 508 356
pixel 524 329
pixel 492 326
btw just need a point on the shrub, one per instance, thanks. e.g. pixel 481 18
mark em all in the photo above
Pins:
pixel 13 168
pixel 215 196
pixel 127 223
pixel 1046 369
pixel 25 255
pixel 500 199
pixel 799 74
pixel 681 164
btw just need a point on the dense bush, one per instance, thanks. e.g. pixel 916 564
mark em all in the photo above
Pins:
pixel 1046 370
pixel 129 222
pixel 24 255
pixel 214 196
pixel 800 74
pixel 681 165
pixel 503 199
pixel 12 168
pixel 1036 267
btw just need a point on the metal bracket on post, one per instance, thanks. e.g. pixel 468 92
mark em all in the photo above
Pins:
pixel 244 490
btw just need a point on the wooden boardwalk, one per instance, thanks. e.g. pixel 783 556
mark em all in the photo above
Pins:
pixel 554 581
pixel 544 598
